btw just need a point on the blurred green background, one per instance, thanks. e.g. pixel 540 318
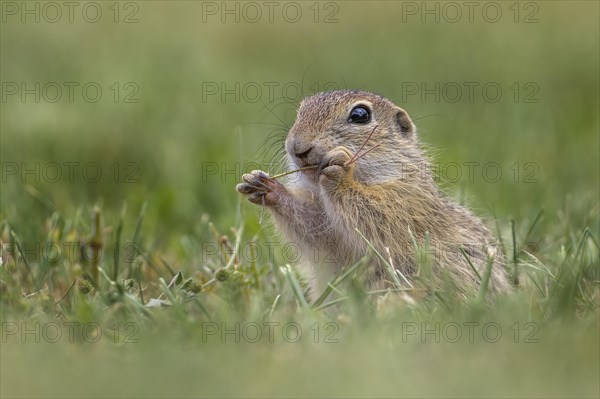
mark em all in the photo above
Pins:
pixel 177 53
pixel 179 120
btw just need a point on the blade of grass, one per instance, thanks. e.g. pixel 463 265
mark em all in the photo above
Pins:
pixel 542 267
pixel 117 253
pixel 515 254
pixel 95 243
pixel 344 274
pixel 293 281
pixel 464 253
pixel 535 282
pixel 387 249
pixel 273 306
pixel 45 272
pixel 340 293
pixel 168 266
pixel 139 251
pixel 167 291
pixel 331 303
pixel 533 224
pixel 486 278
pixel 498 231
pixel 29 189
pixel 175 281
pixel 17 242
pixel 138 277
pixel 236 246
pixel 138 223
pixel 389 267
pixel 67 292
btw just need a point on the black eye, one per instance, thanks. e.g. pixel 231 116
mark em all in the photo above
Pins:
pixel 359 114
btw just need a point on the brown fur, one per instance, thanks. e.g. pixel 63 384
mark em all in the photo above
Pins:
pixel 389 195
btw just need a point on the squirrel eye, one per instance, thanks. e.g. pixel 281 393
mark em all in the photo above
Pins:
pixel 359 114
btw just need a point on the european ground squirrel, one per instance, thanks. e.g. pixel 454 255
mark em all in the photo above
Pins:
pixel 349 195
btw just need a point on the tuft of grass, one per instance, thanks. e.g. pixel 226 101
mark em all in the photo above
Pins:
pixel 224 286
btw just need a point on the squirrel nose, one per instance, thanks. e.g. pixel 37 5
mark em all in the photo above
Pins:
pixel 303 154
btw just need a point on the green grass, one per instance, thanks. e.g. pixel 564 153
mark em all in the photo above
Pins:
pixel 547 345
pixel 170 232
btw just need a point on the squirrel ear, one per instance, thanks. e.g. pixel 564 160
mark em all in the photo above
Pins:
pixel 405 124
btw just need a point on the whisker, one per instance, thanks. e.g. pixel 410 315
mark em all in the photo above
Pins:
pixel 361 155
pixel 363 145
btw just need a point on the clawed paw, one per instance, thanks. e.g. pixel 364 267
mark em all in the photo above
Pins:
pixel 334 167
pixel 260 188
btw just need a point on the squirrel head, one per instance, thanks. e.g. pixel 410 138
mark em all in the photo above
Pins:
pixel 346 118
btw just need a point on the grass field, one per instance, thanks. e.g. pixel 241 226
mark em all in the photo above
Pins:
pixel 132 268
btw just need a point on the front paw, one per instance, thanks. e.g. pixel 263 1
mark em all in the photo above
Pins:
pixel 261 189
pixel 335 167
